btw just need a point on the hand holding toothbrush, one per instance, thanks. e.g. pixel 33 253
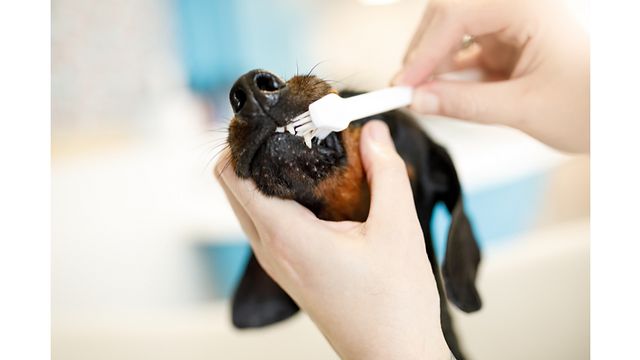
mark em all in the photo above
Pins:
pixel 534 57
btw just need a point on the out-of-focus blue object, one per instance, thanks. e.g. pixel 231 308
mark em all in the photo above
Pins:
pixel 222 39
pixel 225 262
pixel 496 213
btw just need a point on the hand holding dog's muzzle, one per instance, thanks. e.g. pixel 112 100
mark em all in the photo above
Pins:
pixel 368 286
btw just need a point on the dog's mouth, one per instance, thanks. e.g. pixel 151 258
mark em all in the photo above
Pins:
pixel 279 163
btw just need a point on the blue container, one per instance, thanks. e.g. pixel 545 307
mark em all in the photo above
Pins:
pixel 496 214
pixel 225 261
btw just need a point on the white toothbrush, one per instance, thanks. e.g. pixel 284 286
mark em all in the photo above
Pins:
pixel 333 113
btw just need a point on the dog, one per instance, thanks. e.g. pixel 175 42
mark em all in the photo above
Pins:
pixel 328 179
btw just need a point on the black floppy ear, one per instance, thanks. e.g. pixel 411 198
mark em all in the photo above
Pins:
pixel 258 300
pixel 461 262
pixel 462 256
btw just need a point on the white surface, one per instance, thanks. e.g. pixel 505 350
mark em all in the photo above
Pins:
pixel 126 221
pixel 536 306
pixel 535 298
pixel 200 333
pixel 490 155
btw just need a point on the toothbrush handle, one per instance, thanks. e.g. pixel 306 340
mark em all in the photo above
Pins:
pixel 376 102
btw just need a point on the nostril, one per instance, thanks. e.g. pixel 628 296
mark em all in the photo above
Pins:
pixel 268 82
pixel 238 98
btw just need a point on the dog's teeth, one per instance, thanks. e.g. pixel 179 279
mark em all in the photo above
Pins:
pixel 302 126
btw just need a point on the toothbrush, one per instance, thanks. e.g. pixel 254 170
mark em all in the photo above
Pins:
pixel 333 113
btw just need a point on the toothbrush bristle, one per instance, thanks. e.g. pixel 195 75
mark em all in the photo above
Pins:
pixel 302 118
pixel 301 126
pixel 304 128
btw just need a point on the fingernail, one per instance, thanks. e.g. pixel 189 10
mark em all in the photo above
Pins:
pixel 378 131
pixel 425 102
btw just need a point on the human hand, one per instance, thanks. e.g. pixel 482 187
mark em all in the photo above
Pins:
pixel 535 58
pixel 367 286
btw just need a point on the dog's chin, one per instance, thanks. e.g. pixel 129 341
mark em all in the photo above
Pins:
pixel 283 166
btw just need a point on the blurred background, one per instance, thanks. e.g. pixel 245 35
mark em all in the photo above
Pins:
pixel 146 250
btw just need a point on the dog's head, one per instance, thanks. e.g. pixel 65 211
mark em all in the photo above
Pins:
pixel 280 163
pixel 328 178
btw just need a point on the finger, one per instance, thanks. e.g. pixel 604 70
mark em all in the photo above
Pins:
pixel 243 218
pixel 440 37
pixel 344 227
pixel 417 35
pixel 498 57
pixel 451 20
pixel 484 102
pixel 387 176
pixel 258 206
pixel 460 60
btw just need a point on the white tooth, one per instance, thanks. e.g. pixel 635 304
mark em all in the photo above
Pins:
pixel 307 141
pixel 291 129
pixel 280 129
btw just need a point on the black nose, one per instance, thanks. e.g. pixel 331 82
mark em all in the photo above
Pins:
pixel 254 91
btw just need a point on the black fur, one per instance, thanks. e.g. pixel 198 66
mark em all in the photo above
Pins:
pixel 259 301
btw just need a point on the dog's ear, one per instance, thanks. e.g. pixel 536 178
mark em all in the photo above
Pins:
pixel 461 262
pixel 258 300
pixel 462 255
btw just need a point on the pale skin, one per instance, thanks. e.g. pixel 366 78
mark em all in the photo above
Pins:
pixel 369 286
pixel 535 58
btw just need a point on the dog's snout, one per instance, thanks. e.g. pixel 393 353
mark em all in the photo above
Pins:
pixel 255 90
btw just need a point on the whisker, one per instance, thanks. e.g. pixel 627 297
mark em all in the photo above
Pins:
pixel 208 145
pixel 315 66
pixel 218 153
pixel 220 146
pixel 226 165
pixel 220 130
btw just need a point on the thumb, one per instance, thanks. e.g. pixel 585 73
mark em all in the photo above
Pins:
pixel 491 102
pixel 386 174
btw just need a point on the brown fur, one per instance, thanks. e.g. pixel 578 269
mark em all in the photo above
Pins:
pixel 411 171
pixel 346 194
pixel 309 88
pixel 329 179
